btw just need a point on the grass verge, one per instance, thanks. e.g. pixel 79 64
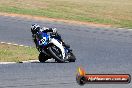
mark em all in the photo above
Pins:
pixel 114 12
pixel 9 53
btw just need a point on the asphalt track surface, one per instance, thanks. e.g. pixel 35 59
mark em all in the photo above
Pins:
pixel 98 50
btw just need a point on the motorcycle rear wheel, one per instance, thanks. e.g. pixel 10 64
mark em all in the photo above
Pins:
pixel 42 57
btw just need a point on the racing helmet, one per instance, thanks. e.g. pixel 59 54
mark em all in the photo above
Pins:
pixel 35 28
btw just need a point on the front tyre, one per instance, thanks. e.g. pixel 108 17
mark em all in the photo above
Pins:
pixel 56 54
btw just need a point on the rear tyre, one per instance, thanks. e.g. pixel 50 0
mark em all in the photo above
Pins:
pixel 42 57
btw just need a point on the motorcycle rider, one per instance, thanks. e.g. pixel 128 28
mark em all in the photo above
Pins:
pixel 35 28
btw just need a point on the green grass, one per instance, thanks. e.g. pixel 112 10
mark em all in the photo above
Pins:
pixel 17 53
pixel 114 12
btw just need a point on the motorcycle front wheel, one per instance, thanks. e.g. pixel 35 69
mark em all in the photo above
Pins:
pixel 56 53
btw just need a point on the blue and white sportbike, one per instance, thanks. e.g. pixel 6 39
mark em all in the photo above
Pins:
pixel 50 47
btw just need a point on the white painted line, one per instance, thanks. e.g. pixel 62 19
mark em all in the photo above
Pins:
pixel 25 62
pixel 124 29
pixel 33 60
pixel 7 62
pixel 120 28
pixel 21 45
pixel 30 61
pixel 9 43
pixel 2 42
pixel 130 29
pixel 26 46
pixel 37 61
pixel 15 44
